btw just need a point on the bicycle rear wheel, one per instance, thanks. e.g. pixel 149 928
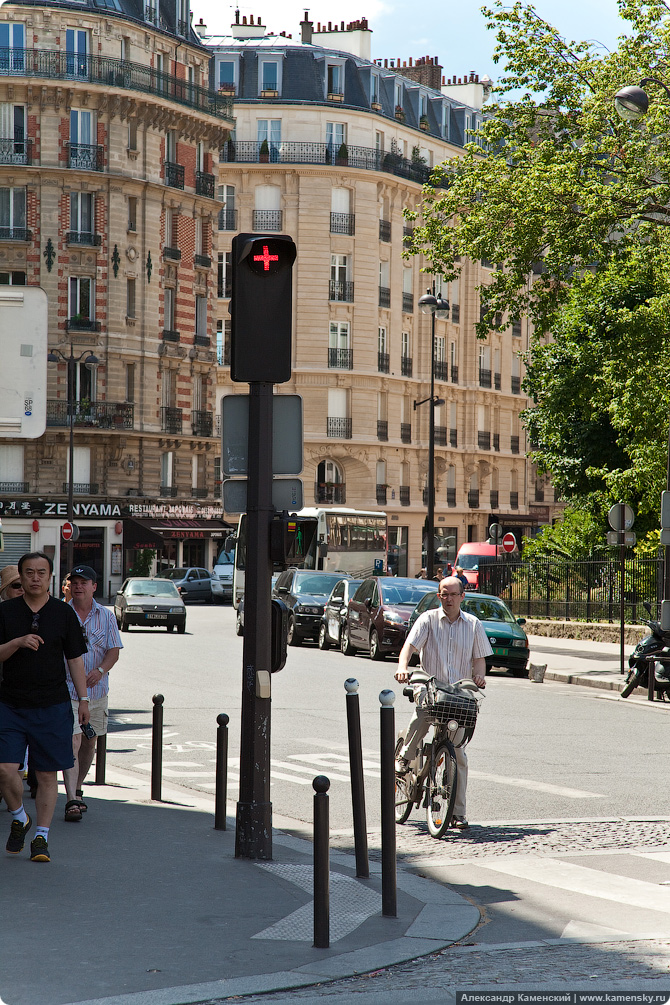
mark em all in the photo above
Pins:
pixel 442 792
pixel 403 803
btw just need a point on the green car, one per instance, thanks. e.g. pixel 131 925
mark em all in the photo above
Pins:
pixel 508 640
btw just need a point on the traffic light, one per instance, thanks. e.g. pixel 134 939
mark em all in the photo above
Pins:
pixel 291 538
pixel 261 308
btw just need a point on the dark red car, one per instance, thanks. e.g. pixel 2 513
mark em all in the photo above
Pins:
pixel 378 614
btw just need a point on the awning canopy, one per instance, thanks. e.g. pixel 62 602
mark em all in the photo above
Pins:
pixel 154 533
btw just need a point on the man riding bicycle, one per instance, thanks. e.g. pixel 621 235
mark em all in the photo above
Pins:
pixel 453 645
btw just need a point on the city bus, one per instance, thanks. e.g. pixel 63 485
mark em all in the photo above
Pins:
pixel 346 540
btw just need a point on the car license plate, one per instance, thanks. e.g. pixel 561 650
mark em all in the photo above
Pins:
pixel 157 617
pixel 499 652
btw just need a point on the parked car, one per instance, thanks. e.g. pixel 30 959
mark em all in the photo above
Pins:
pixel 508 640
pixel 222 577
pixel 149 602
pixel 305 592
pixel 335 613
pixel 193 583
pixel 378 614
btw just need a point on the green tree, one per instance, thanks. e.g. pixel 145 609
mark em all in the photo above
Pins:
pixel 577 535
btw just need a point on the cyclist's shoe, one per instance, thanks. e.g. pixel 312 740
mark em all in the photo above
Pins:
pixel 39 850
pixel 401 765
pixel 17 836
pixel 459 823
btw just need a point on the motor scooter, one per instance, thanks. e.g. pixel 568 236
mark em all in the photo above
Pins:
pixel 655 645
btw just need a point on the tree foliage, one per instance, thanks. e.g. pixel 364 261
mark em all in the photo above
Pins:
pixel 577 536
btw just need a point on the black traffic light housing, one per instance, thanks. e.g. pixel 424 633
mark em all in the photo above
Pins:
pixel 261 307
pixel 291 538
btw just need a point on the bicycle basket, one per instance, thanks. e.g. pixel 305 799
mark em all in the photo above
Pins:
pixel 454 707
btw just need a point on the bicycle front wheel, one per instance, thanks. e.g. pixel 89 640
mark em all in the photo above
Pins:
pixel 403 803
pixel 442 794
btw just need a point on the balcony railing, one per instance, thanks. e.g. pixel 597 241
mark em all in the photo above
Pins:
pixel 440 436
pixel 473 498
pixel 82 488
pixel 79 324
pixel 497 381
pixel 174 254
pixel 103 414
pixel 83 237
pixel 514 444
pixel 405 432
pixel 451 497
pixel 169 335
pixel 539 493
pixel 341 291
pixel 408 303
pixel 171 419
pixel 204 184
pixel 516 329
pixel 168 491
pixel 343 223
pixel 440 369
pixel 407 232
pixel 15 151
pixel 424 496
pixel 291 152
pixel 493 499
pixel 15 488
pixel 174 175
pixel 384 296
pixel 453 437
pixel 223 359
pixel 202 261
pixel 385 231
pixel 267 219
pixel 86 156
pixel 202 340
pixel 483 440
pixel 484 377
pixel 118 73
pixel 514 500
pixel 381 495
pixel 338 427
pixel 516 385
pixel 330 492
pixel 201 422
pixel 341 359
pixel 404 495
pixel 406 366
pixel 454 374
pixel 199 492
pixel 496 441
pixel 382 429
pixel 15 234
pixel 383 362
pixel 227 219
pixel 456 313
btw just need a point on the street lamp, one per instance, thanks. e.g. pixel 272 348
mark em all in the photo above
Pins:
pixel 92 362
pixel 436 307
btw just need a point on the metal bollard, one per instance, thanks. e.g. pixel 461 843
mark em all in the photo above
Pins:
pixel 387 757
pixel 157 747
pixel 321 784
pixel 100 759
pixel 356 774
pixel 221 788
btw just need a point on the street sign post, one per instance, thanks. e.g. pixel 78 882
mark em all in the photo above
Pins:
pixel 509 543
pixel 495 533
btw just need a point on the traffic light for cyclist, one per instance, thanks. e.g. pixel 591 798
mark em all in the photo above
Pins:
pixel 261 307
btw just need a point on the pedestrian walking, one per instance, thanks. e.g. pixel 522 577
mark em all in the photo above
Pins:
pixel 460 575
pixel 103 642
pixel 37 632
pixel 65 589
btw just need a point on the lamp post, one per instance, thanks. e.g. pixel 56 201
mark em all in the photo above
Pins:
pixel 436 307
pixel 632 103
pixel 92 362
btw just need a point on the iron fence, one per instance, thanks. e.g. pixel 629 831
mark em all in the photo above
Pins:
pixel 588 590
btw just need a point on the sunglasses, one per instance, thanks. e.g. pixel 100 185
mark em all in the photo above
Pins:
pixel 34 627
pixel 16 586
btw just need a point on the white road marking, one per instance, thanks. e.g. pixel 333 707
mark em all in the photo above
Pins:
pixel 584 931
pixel 527 783
pixel 333 760
pixel 308 768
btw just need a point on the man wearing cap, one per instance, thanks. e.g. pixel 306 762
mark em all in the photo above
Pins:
pixel 103 643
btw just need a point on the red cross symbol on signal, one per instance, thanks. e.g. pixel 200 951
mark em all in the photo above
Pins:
pixel 266 258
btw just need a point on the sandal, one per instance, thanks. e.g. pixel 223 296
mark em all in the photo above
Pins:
pixel 79 793
pixel 72 811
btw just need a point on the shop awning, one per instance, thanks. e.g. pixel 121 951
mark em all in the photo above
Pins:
pixel 138 534
pixel 154 533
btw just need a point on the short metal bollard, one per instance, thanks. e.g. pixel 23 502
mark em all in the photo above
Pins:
pixel 100 759
pixel 321 784
pixel 387 758
pixel 157 747
pixel 356 774
pixel 221 789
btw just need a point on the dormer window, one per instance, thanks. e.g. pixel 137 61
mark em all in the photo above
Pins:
pixel 269 77
pixel 227 75
pixel 183 18
pixel 335 82
pixel 398 95
pixel 375 100
pixel 423 104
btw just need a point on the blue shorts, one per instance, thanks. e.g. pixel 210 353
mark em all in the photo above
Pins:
pixel 47 731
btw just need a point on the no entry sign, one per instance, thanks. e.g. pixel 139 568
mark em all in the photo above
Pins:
pixel 509 542
pixel 69 531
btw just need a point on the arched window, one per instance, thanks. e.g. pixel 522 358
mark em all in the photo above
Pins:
pixel 330 486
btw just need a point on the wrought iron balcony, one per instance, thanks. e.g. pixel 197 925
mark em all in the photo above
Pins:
pixel 168 491
pixel 384 296
pixel 13 151
pixel 15 488
pixel 341 291
pixel 514 444
pixel 514 500
pixel 539 493
pixel 170 336
pixel 382 429
pixel 385 231
pixel 496 441
pixel 15 234
pixel 440 436
pixel 182 29
pixel 497 381
pixel 473 498
pixel 341 359
pixel 407 232
pixel 343 223
pixel 483 440
pixel 381 495
pixel 86 156
pixel 383 362
pixel 82 488
pixel 338 427
pixel 50 64
pixel 516 329
pixel 199 493
pixel 80 324
pixel 223 359
pixel 453 437
pixel 174 175
pixel 204 184
pixel 83 237
pixel 493 499
pixel 227 219
pixel 202 423
pixel 202 261
pixel 440 369
pixel 454 374
pixel 484 377
pixel 408 303
pixel 451 497
pixel 404 495
pixel 516 385
pixel 267 219
pixel 102 414
pixel 171 420
pixel 202 340
pixel 330 492
pixel 424 496
pixel 406 366
pixel 456 313
pixel 174 254
pixel 405 432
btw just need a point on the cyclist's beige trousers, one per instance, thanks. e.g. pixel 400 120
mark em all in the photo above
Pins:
pixel 418 726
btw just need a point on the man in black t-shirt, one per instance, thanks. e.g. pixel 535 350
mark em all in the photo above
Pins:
pixel 37 633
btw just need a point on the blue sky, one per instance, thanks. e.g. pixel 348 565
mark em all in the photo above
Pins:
pixel 456 32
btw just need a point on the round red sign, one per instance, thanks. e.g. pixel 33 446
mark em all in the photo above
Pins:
pixel 67 530
pixel 509 542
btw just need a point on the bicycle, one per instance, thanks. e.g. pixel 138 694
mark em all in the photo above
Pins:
pixel 433 774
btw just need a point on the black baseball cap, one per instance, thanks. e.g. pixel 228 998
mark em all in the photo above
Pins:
pixel 86 572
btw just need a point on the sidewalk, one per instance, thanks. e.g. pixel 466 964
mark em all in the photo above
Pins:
pixel 575 661
pixel 145 904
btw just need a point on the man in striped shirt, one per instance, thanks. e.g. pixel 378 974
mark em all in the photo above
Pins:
pixel 453 645
pixel 103 643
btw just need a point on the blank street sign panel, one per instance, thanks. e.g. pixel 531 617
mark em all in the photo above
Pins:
pixel 286 434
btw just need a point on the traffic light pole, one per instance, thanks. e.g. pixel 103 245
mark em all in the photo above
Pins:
pixel 253 833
